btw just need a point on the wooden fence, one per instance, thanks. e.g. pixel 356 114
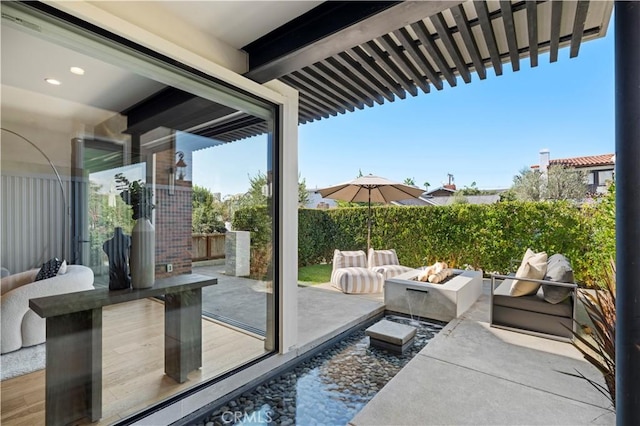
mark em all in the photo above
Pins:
pixel 207 246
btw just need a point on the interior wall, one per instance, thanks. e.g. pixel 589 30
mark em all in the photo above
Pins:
pixel 35 219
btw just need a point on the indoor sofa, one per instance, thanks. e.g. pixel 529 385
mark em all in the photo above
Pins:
pixel 20 326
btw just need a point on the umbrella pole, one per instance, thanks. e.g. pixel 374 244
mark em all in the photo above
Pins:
pixel 369 225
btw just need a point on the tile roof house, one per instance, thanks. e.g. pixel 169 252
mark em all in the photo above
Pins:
pixel 599 168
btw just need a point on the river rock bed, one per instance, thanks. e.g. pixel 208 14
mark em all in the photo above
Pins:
pixel 329 388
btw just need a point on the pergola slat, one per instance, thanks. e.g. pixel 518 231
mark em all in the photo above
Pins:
pixel 489 36
pixel 430 46
pixel 556 20
pixel 320 93
pixel 510 31
pixel 390 67
pixel 370 64
pixel 412 48
pixel 409 57
pixel 305 112
pixel 532 30
pixel 452 47
pixel 403 62
pixel 311 97
pixel 303 101
pixel 306 99
pixel 330 88
pixel 582 8
pixel 464 29
pixel 342 83
pixel 361 85
pixel 358 69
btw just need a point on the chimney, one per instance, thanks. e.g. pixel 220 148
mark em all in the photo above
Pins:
pixel 544 160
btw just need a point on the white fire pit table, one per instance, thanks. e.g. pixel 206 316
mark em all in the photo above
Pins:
pixel 405 294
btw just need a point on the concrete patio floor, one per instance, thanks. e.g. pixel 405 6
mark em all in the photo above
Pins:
pixel 472 374
pixel 469 373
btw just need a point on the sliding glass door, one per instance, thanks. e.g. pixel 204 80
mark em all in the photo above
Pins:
pixel 111 120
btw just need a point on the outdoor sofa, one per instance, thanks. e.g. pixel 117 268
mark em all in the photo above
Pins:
pixel 386 262
pixel 353 272
pixel 543 306
pixel 351 275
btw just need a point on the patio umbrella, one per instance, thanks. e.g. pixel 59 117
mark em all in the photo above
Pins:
pixel 371 189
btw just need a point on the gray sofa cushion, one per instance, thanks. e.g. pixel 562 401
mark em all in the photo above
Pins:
pixel 533 321
pixel 559 270
pixel 533 303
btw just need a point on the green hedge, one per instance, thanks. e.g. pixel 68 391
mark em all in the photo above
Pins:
pixel 487 237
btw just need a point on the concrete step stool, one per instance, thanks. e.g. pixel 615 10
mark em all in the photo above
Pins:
pixel 391 336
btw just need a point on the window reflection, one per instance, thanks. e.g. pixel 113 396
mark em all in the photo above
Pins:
pixel 209 168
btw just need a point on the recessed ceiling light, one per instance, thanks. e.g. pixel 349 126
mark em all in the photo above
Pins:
pixel 53 81
pixel 77 70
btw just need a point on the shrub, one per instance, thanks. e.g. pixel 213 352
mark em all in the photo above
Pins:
pixel 600 223
pixel 486 237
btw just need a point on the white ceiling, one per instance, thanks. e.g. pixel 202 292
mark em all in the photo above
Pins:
pixel 27 61
pixel 237 23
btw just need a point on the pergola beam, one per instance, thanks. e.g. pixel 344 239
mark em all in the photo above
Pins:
pixel 489 35
pixel 532 30
pixel 403 62
pixel 452 47
pixel 460 16
pixel 372 66
pixel 556 21
pixel 390 67
pixel 510 31
pixel 582 8
pixel 414 51
pixel 360 77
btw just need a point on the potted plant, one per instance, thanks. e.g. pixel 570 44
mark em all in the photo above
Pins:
pixel 143 241
pixel 137 195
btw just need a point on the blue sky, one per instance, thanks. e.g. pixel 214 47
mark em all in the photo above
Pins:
pixel 483 132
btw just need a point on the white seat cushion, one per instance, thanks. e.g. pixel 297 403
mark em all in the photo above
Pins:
pixel 357 280
pixel 390 271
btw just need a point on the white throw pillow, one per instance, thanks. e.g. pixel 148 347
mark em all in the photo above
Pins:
pixel 534 266
pixel 63 268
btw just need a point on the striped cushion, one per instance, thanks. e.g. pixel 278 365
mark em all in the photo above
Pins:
pixel 349 259
pixel 382 257
pixel 390 271
pixel 357 280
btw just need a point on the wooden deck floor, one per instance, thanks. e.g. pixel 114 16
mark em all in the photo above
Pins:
pixel 133 364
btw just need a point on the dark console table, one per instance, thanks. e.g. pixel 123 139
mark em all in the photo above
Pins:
pixel 74 341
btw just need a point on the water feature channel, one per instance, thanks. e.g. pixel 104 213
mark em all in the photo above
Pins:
pixel 327 389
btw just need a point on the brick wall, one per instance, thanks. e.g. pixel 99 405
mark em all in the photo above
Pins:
pixel 172 219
